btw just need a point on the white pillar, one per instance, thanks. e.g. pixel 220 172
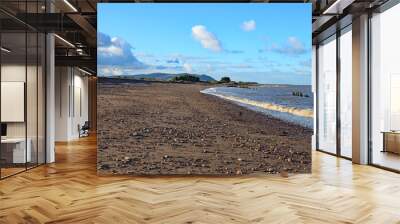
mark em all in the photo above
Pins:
pixel 63 99
pixel 50 99
pixel 314 90
pixel 360 90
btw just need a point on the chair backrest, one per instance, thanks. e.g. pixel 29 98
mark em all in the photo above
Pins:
pixel 86 125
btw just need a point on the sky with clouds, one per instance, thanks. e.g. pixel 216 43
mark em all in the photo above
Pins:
pixel 265 43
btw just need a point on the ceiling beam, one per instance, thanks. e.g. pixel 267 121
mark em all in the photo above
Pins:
pixel 83 23
pixel 79 61
pixel 337 7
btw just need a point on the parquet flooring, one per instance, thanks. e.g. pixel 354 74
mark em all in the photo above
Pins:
pixel 70 191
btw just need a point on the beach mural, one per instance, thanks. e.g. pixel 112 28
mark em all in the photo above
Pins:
pixel 204 89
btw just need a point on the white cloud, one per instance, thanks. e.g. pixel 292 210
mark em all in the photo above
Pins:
pixel 248 25
pixel 207 39
pixel 115 51
pixel 295 43
pixel 188 67
pixel 292 47
pixel 110 71
pixel 111 50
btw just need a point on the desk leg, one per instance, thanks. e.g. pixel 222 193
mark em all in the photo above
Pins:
pixel 384 142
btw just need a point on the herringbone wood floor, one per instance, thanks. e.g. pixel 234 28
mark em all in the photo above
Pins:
pixel 69 191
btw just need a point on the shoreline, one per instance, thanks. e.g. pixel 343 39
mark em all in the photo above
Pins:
pixel 174 129
pixel 294 115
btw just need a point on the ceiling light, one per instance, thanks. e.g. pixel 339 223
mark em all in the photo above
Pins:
pixel 64 40
pixel 84 71
pixel 337 7
pixel 70 5
pixel 331 7
pixel 5 50
pixel 79 51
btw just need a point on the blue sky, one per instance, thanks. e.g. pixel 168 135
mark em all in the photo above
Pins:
pixel 265 43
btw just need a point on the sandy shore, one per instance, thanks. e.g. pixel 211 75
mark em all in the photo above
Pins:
pixel 157 128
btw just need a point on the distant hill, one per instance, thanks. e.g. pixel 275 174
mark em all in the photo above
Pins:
pixel 168 76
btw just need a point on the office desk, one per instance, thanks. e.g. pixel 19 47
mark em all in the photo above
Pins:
pixel 14 150
pixel 391 141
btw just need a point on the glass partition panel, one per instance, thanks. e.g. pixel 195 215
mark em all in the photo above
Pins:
pixel 385 89
pixel 327 95
pixel 346 92
pixel 14 153
pixel 22 66
pixel 41 98
pixel 3 160
pixel 31 98
pixel 2 54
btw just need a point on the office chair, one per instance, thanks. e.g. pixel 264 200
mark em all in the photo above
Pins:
pixel 84 130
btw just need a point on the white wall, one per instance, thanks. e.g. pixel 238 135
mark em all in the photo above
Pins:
pixel 80 112
pixel 70 83
pixel 14 73
pixel 33 126
pixel 62 82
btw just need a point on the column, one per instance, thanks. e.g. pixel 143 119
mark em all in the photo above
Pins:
pixel 360 90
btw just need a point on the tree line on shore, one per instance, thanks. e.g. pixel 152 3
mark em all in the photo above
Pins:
pixel 187 78
pixel 192 78
pixel 224 80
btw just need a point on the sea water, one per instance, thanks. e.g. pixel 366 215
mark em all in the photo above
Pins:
pixel 274 100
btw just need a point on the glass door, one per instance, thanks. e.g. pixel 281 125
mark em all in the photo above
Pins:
pixel 346 92
pixel 327 96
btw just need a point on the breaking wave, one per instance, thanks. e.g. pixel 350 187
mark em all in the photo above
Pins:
pixel 301 116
